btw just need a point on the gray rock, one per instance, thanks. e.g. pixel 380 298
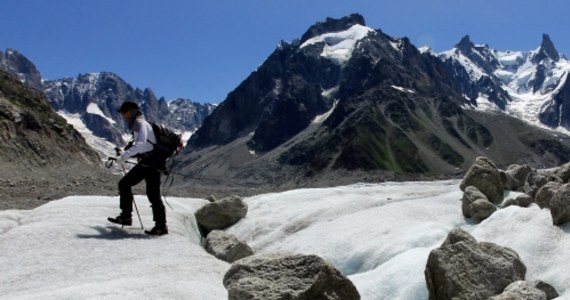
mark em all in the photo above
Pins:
pixel 527 290
pixel 522 200
pixel 510 183
pixel 481 209
pixel 536 180
pixel 545 194
pixel 222 213
pixel 281 276
pixel 548 289
pixel 470 195
pixel 523 290
pixel 518 173
pixel 560 205
pixel 226 246
pixel 563 172
pixel 463 268
pixel 485 176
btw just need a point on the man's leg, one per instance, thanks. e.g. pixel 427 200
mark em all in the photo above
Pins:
pixel 132 178
pixel 153 193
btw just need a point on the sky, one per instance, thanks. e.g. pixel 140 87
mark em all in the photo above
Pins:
pixel 202 50
pixel 378 235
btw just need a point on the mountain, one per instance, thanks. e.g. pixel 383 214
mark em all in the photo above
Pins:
pixel 347 102
pixel 37 143
pixel 17 64
pixel 90 101
pixel 95 97
pixel 531 85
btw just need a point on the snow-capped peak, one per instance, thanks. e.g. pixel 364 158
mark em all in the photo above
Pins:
pixel 532 79
pixel 339 45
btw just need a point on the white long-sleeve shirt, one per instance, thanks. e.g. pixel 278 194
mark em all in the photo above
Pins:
pixel 143 133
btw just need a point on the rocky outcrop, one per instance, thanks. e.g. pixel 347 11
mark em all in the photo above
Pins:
pixel 281 276
pixel 485 176
pixel 221 214
pixel 462 268
pixel 226 247
pixel 18 65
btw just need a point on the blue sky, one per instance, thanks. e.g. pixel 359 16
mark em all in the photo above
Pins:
pixel 202 50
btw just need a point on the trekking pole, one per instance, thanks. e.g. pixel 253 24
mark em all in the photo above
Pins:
pixel 109 164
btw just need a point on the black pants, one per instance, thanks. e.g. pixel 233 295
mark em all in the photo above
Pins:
pixel 152 179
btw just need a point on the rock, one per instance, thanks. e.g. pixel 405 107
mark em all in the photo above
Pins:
pixel 463 268
pixel 560 205
pixel 481 209
pixel 282 276
pixel 523 290
pixel 548 289
pixel 518 173
pixel 509 202
pixel 226 247
pixel 527 290
pixel 545 194
pixel 536 180
pixel 485 176
pixel 211 198
pixel 522 200
pixel 470 195
pixel 510 183
pixel 563 172
pixel 221 214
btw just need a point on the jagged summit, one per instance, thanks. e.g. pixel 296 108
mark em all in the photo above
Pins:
pixel 333 25
pixel 465 45
pixel 15 63
pixel 546 50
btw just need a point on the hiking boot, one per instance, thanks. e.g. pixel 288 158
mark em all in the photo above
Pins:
pixel 121 220
pixel 157 230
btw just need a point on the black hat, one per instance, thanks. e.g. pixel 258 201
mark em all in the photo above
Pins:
pixel 127 105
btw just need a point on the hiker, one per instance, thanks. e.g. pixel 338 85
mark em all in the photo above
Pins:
pixel 148 167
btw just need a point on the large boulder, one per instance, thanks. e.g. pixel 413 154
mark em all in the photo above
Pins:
pixel 226 246
pixel 545 194
pixel 485 176
pixel 527 290
pixel 463 268
pixel 221 214
pixel 560 205
pixel 282 276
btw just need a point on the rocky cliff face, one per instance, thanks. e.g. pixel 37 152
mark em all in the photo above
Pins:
pixel 41 156
pixel 15 63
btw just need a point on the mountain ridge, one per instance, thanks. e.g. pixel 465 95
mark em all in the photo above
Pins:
pixel 394 110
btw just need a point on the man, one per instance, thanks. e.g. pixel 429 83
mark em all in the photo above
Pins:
pixel 149 167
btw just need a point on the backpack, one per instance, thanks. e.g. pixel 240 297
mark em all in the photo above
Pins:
pixel 167 141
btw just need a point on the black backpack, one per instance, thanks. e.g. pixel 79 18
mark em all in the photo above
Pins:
pixel 167 141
